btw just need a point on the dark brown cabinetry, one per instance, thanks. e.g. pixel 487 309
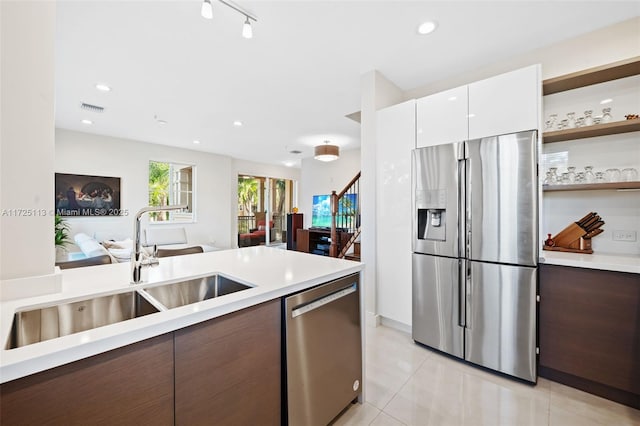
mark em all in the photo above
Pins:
pixel 590 331
pixel 129 385
pixel 294 222
pixel 227 370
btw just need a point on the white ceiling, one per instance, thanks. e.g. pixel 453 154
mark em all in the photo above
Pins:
pixel 295 81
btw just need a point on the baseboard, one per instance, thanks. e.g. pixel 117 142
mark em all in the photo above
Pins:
pixel 372 320
pixel 595 388
pixel 397 325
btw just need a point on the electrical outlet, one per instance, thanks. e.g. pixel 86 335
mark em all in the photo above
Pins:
pixel 625 236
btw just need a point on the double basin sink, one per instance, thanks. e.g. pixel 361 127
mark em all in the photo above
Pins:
pixel 63 318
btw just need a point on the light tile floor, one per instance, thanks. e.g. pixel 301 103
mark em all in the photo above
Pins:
pixel 407 384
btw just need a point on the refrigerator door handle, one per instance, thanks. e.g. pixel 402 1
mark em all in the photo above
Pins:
pixel 468 208
pixel 462 210
pixel 462 267
pixel 468 302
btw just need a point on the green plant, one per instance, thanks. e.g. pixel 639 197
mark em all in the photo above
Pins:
pixel 62 231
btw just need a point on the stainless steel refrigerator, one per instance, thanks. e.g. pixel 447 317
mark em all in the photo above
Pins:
pixel 474 247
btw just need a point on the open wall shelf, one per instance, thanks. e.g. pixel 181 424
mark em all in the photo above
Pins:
pixel 595 75
pixel 613 128
pixel 592 186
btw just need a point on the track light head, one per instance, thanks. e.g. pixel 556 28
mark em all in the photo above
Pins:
pixel 207 9
pixel 247 31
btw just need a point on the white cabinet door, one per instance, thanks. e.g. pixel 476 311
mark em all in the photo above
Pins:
pixel 395 140
pixel 506 103
pixel 442 118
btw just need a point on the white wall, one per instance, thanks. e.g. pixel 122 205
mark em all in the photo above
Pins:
pixel 84 153
pixel 318 177
pixel 27 37
pixel 377 93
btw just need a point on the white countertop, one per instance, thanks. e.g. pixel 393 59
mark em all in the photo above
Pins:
pixel 604 261
pixel 272 273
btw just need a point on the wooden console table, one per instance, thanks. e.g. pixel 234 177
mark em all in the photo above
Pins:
pixel 318 241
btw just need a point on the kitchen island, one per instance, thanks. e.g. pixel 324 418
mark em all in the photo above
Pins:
pixel 230 334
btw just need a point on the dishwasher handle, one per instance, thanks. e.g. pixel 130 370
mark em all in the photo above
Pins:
pixel 321 301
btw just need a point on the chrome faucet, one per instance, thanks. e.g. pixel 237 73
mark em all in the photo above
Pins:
pixel 137 253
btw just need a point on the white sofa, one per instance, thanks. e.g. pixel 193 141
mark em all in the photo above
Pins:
pixel 120 248
pixel 120 251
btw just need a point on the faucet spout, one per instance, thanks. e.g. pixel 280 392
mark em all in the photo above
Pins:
pixel 136 252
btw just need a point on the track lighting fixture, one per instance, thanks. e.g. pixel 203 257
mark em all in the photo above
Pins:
pixel 207 9
pixel 247 31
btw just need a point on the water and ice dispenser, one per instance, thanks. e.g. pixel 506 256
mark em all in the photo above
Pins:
pixel 432 214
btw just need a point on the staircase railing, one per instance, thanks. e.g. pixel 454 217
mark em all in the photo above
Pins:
pixel 345 217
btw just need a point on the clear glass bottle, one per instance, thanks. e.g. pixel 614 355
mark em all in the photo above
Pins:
pixel 547 179
pixel 600 177
pixel 579 121
pixel 606 115
pixel 571 174
pixel 588 119
pixel 579 177
pixel 571 121
pixel 553 175
pixel 589 177
pixel 564 178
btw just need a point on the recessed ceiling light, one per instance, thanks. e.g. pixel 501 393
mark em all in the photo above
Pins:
pixel 606 101
pixel 196 142
pixel 453 98
pixel 159 121
pixel 470 115
pixel 103 87
pixel 238 123
pixel 289 163
pixel 87 122
pixel 427 27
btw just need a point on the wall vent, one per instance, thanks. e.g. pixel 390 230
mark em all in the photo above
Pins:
pixel 92 108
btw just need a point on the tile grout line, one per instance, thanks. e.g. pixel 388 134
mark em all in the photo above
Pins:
pixel 402 386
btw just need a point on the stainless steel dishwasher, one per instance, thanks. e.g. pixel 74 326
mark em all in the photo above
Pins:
pixel 323 351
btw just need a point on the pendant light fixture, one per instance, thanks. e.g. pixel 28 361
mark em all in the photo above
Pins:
pixel 247 30
pixel 326 152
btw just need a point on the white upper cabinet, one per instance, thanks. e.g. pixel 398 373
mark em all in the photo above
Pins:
pixel 442 118
pixel 396 132
pixel 506 103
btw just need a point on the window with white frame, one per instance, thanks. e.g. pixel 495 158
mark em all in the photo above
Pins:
pixel 170 184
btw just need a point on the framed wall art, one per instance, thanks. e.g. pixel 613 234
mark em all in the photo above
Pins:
pixel 83 195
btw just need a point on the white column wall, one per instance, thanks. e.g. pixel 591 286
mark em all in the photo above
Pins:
pixel 27 37
pixel 376 92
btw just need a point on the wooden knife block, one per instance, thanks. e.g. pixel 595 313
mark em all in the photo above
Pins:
pixel 571 239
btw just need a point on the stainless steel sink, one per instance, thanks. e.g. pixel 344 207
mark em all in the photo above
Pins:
pixel 195 290
pixel 37 325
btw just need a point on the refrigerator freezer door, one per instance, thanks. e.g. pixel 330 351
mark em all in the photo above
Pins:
pixel 501 318
pixel 436 199
pixel 436 303
pixel 502 197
